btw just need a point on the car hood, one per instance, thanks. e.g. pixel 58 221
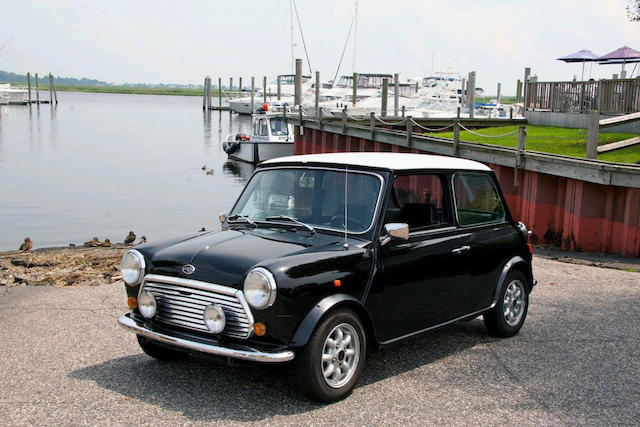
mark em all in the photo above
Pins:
pixel 224 257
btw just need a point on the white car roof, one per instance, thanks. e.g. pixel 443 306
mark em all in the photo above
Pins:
pixel 384 160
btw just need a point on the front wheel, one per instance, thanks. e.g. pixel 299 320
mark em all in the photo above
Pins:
pixel 328 368
pixel 507 317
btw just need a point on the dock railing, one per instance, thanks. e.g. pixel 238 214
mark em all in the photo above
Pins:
pixel 618 96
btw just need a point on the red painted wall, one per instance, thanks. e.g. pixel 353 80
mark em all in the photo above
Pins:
pixel 571 214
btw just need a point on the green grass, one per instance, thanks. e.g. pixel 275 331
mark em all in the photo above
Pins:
pixel 503 99
pixel 125 89
pixel 568 142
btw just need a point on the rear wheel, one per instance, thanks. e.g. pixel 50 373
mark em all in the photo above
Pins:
pixel 159 352
pixel 507 317
pixel 328 368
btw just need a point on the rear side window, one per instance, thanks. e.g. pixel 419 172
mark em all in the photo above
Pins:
pixel 477 199
pixel 420 201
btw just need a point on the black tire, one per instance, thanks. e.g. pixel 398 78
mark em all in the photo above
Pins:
pixel 496 321
pixel 160 352
pixel 309 363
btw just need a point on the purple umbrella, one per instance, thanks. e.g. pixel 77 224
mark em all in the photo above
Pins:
pixel 623 55
pixel 584 55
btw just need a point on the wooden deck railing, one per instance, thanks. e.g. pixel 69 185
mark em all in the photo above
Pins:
pixel 620 96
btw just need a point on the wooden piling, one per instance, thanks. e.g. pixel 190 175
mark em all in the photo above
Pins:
pixel 385 95
pixel 253 88
pixel 279 87
pixel 37 90
pixel 593 129
pixel 240 85
pixel 396 93
pixel 409 131
pixel 519 164
pixel 456 136
pixel 55 92
pixel 317 91
pixel 209 103
pixel 498 95
pixel 29 86
pixel 527 74
pixel 518 91
pixel 463 97
pixel 50 89
pixel 354 92
pixel 298 81
pixel 372 124
pixel 204 94
pixel 230 86
pixel 402 109
pixel 472 93
pixel 220 93
pixel 458 112
pixel 264 89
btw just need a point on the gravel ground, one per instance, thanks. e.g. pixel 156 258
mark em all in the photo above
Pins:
pixel 64 360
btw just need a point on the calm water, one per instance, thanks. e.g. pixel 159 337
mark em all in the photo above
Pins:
pixel 104 164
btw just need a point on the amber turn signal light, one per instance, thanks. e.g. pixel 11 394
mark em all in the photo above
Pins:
pixel 337 283
pixel 132 302
pixel 260 329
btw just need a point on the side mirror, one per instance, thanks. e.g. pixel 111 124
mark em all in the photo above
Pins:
pixel 395 230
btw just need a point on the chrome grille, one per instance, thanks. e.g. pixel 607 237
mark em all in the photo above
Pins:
pixel 181 302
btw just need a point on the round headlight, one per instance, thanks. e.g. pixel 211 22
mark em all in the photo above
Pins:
pixel 214 318
pixel 260 288
pixel 132 267
pixel 147 305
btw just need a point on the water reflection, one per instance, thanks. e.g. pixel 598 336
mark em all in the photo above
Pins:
pixel 241 170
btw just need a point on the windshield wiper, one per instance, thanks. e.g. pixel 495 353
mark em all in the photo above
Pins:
pixel 245 218
pixel 291 219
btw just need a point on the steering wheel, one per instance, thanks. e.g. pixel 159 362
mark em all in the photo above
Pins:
pixel 338 222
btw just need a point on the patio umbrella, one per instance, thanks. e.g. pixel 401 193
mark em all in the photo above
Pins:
pixel 584 55
pixel 623 55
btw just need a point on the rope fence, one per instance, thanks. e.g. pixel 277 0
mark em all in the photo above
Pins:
pixel 431 129
pixel 488 136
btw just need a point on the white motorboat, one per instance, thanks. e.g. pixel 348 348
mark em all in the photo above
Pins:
pixel 271 136
pixel 287 92
pixel 12 94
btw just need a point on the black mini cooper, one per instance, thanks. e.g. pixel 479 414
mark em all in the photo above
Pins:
pixel 326 257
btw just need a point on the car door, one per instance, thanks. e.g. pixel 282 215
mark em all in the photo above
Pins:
pixel 481 213
pixel 422 277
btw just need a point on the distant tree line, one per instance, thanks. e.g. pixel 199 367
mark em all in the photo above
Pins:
pixel 8 77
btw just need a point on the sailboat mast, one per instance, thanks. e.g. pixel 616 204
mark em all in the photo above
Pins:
pixel 355 34
pixel 293 64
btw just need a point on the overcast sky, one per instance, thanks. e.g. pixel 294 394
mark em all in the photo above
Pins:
pixel 181 42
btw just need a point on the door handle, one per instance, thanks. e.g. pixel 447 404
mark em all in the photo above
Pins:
pixel 461 249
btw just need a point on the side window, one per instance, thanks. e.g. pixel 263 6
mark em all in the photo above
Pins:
pixel 420 201
pixel 263 128
pixel 477 200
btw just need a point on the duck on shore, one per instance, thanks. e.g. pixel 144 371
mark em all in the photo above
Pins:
pixel 106 243
pixel 93 243
pixel 27 245
pixel 130 238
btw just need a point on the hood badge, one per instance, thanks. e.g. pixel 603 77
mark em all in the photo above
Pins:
pixel 188 269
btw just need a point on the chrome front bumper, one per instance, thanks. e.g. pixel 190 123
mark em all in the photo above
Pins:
pixel 245 353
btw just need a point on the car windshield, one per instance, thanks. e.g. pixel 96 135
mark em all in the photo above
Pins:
pixel 313 196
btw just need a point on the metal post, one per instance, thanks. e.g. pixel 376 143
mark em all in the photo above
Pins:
pixel 472 93
pixel 317 91
pixel 37 90
pixel 55 92
pixel 396 93
pixel 385 95
pixel 456 137
pixel 498 96
pixel 279 83
pixel 409 130
pixel 264 89
pixel 253 88
pixel 527 73
pixel 220 93
pixel 458 112
pixel 354 85
pixel 298 81
pixel 518 91
pixel 29 86
pixel 593 129
pixel 50 89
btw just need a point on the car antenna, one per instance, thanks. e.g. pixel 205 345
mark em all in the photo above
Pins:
pixel 345 246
